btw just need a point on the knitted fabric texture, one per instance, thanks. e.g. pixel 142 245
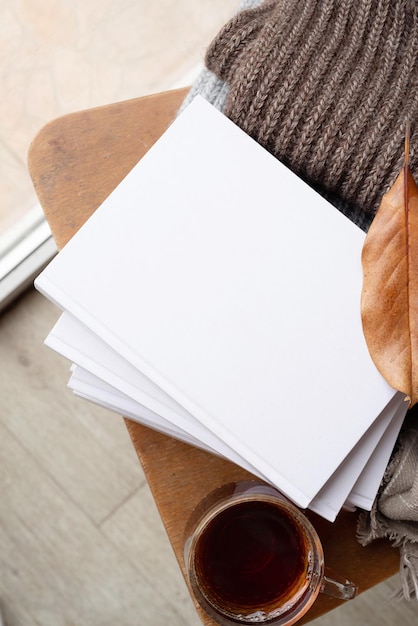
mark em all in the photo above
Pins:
pixel 326 87
pixel 394 514
pixel 207 84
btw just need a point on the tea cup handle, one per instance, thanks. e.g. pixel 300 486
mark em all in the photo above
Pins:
pixel 337 586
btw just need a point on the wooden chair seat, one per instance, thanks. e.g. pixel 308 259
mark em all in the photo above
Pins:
pixel 75 162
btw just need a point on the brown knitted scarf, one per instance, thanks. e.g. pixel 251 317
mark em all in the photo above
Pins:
pixel 326 86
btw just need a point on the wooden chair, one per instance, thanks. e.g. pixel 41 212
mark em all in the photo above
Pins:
pixel 75 162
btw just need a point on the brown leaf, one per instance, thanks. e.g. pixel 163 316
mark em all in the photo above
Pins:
pixel 389 302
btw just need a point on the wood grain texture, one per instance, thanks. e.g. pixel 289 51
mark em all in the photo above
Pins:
pixel 78 159
pixel 71 488
pixel 75 162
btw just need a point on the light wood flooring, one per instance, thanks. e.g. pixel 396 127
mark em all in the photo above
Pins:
pixel 81 542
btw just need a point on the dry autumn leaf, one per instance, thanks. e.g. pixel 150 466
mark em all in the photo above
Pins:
pixel 389 302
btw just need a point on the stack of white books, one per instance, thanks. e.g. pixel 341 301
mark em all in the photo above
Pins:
pixel 215 297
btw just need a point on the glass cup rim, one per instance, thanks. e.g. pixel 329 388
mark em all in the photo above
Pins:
pixel 248 491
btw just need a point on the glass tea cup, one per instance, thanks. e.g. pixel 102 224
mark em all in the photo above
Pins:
pixel 252 557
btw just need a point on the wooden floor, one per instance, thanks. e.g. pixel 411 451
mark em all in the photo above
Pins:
pixel 81 542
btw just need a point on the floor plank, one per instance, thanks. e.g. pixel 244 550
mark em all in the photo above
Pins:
pixel 62 568
pixel 150 548
pixel 81 541
pixel 65 447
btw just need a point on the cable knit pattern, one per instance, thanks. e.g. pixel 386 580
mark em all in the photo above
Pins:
pixel 326 87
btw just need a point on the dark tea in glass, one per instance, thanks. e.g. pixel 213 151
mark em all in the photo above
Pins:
pixel 253 557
